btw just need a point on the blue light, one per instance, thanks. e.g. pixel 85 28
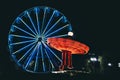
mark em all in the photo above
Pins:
pixel 22 36
pixel 64 20
pixel 32 22
pixel 56 13
pixel 31 57
pixel 23 31
pixel 23 48
pixel 10 38
pixel 36 10
pixel 25 55
pixel 49 59
pixel 17 20
pixel 43 20
pixel 23 42
pixel 65 35
pixel 52 52
pixel 28 26
pixel 48 22
pixel 42 58
pixel 57 30
pixel 12 29
pixel 25 14
pixel 53 25
pixel 38 23
pixel 47 10
pixel 37 57
pixel 11 48
pixel 70 28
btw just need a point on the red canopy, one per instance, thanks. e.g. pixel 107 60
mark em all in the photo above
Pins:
pixel 67 44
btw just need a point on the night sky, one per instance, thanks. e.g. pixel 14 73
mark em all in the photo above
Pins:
pixel 93 23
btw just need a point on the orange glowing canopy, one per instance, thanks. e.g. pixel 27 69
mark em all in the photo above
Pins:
pixel 73 46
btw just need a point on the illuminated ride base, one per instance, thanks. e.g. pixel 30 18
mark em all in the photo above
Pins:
pixel 67 47
pixel 38 36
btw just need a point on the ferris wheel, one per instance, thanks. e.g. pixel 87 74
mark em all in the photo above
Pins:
pixel 28 35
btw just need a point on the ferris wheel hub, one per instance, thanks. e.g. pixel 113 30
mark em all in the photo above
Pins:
pixel 40 38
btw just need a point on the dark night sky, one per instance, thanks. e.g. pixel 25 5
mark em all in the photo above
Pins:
pixel 94 23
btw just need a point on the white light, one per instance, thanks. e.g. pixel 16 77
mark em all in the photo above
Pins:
pixel 119 65
pixel 93 59
pixel 70 33
pixel 109 64
pixel 56 72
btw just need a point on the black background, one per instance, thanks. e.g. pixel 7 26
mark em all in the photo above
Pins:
pixel 94 23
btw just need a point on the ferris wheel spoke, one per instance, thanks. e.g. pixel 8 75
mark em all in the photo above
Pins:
pixel 59 36
pixel 38 24
pixel 49 59
pixel 22 42
pixel 54 25
pixel 24 56
pixel 49 22
pixel 43 63
pixel 43 19
pixel 23 31
pixel 57 30
pixel 52 52
pixel 19 36
pixel 23 48
pixel 37 56
pixel 31 21
pixel 27 26
pixel 31 57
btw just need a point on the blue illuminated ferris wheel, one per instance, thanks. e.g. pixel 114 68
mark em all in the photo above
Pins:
pixel 27 38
